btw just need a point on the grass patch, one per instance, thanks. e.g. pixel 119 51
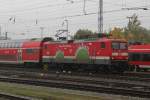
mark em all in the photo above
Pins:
pixel 45 93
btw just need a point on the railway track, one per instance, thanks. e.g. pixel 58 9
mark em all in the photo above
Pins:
pixel 35 73
pixel 116 84
pixel 8 96
pixel 102 87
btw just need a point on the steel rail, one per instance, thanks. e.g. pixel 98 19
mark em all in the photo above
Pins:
pixel 14 97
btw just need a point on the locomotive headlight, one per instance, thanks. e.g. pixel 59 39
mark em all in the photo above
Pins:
pixel 115 54
pixel 124 54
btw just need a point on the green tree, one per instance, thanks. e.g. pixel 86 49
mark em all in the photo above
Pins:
pixel 117 33
pixel 83 34
pixel 135 32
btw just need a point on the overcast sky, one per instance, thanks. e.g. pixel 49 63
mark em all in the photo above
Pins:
pixel 30 15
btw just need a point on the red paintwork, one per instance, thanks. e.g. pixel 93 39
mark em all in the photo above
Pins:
pixel 35 56
pixel 140 48
pixel 9 52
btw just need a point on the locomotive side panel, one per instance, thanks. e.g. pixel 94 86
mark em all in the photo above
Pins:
pixel 102 53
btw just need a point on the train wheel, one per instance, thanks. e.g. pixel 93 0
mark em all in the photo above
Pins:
pixel 145 70
pixel 131 68
pixel 138 69
pixel 45 67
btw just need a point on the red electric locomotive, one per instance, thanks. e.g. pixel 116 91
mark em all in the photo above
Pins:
pixel 108 54
pixel 139 57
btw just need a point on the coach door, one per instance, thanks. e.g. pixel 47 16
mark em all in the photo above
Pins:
pixel 19 55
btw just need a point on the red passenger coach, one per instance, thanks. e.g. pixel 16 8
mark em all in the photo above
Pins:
pixel 11 51
pixel 20 51
pixel 102 53
pixel 139 56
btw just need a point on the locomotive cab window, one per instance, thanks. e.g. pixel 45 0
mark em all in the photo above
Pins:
pixel 103 45
pixel 115 45
pixel 123 46
pixel 119 45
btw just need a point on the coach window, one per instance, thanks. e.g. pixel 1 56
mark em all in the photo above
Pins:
pixel 29 51
pixel 135 57
pixel 12 45
pixel 20 44
pixel 9 45
pixel 103 45
pixel 1 45
pixel 17 45
pixel 5 44
pixel 146 57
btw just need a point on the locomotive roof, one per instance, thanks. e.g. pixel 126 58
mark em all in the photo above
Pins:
pixel 88 40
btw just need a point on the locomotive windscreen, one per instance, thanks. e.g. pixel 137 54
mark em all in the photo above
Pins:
pixel 119 45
